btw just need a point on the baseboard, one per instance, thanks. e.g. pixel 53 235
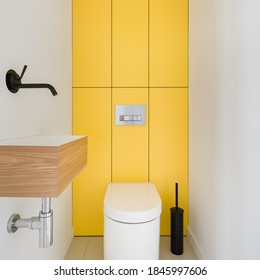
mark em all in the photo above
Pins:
pixel 195 245
pixel 66 245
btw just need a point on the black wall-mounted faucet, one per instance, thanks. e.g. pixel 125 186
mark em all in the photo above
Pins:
pixel 14 82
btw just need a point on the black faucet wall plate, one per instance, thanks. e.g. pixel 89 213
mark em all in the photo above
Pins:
pixel 13 81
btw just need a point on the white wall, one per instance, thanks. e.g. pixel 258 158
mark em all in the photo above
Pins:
pixel 38 34
pixel 224 183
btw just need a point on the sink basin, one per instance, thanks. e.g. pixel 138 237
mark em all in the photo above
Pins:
pixel 40 166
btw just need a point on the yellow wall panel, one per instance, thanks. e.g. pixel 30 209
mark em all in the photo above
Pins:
pixel 168 43
pixel 169 149
pixel 129 43
pixel 91 43
pixel 92 117
pixel 111 40
pixel 129 143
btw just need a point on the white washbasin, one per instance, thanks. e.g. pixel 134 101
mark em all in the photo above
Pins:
pixel 41 140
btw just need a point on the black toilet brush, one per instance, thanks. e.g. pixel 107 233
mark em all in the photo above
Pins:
pixel 176 226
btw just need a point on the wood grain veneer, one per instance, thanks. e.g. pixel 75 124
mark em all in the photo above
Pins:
pixel 40 171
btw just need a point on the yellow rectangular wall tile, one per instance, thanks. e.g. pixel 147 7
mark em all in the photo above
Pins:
pixel 91 43
pixel 129 43
pixel 92 117
pixel 168 43
pixel 169 149
pixel 129 143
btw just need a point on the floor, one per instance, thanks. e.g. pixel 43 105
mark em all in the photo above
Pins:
pixel 91 248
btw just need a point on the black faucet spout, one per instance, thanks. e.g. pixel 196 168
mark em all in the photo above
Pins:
pixel 50 87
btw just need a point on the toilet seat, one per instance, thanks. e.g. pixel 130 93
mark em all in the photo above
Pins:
pixel 132 202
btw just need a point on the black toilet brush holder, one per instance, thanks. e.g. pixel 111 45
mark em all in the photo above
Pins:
pixel 176 226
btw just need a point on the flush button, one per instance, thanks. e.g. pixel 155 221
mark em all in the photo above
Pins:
pixel 130 118
pixel 130 114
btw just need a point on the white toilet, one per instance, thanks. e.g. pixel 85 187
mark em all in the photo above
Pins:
pixel 132 221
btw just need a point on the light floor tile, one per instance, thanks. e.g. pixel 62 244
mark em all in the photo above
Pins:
pixel 166 254
pixel 94 249
pixel 91 248
pixel 77 248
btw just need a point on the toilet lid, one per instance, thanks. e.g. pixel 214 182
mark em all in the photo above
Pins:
pixel 132 202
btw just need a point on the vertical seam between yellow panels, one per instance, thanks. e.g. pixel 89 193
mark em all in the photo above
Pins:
pixel 149 114
pixel 111 90
pixel 188 119
pixel 72 110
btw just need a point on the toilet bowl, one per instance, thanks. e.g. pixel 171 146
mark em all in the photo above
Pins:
pixel 132 221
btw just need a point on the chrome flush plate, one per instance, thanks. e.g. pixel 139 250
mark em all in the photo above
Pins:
pixel 130 114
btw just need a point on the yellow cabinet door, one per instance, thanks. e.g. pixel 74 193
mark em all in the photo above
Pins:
pixel 91 43
pixel 129 43
pixel 92 117
pixel 168 43
pixel 169 149
pixel 129 143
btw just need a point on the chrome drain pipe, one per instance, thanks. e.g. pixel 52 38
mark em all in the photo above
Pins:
pixel 46 220
pixel 44 223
